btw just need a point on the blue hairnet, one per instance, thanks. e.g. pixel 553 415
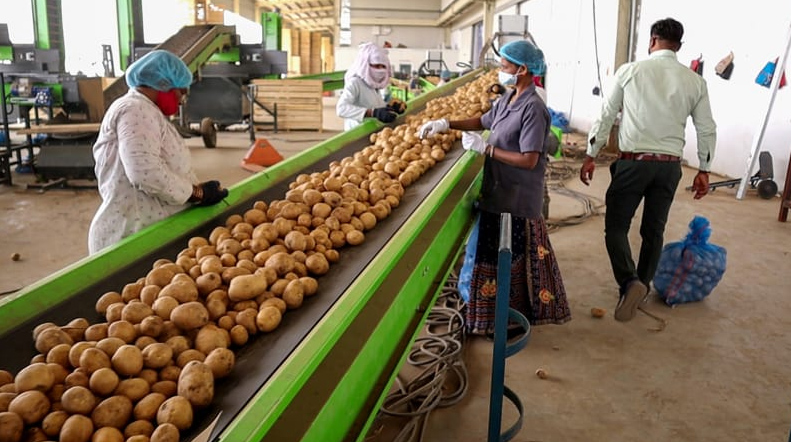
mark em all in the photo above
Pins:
pixel 445 75
pixel 159 69
pixel 523 53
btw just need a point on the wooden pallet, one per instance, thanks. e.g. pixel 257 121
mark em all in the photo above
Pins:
pixel 299 103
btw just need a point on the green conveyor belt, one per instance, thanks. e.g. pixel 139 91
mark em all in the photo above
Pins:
pixel 320 375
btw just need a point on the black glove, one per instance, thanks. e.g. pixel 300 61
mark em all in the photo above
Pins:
pixel 397 106
pixel 208 193
pixel 384 114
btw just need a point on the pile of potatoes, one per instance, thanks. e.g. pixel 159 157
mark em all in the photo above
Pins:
pixel 140 375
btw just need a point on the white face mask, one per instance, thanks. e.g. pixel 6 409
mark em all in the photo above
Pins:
pixel 506 79
pixel 378 75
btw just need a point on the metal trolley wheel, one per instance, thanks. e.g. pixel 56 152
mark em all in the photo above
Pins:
pixel 767 189
pixel 208 132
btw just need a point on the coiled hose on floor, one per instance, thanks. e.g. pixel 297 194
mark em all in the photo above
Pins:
pixel 441 380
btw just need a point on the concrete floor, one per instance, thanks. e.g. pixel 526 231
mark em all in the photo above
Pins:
pixel 717 372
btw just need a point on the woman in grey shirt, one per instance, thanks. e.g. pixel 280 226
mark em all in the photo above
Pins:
pixel 513 182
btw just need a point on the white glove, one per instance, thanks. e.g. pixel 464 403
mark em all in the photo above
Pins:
pixel 473 141
pixel 433 127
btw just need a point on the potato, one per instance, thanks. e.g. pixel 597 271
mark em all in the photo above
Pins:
pixel 139 428
pixel 110 345
pixel 166 387
pixel 52 423
pixel 133 388
pixel 96 332
pixel 78 400
pixel 293 294
pixel 146 408
pixel 210 337
pixel 103 381
pixel 216 308
pixel 55 394
pixel 152 326
pixel 149 375
pixel 31 406
pixel 93 359
pixel 190 315
pixel 39 358
pixel 246 318
pixel 317 264
pixel 239 335
pixel 179 344
pixel 246 287
pixel 188 356
pixel 51 337
pixel 159 276
pixel 76 428
pixel 182 288
pixel 6 377
pixel 114 411
pixel 176 410
pixel 268 318
pixel 123 330
pixel 230 273
pixel 196 383
pixel 5 399
pixel 58 371
pixel 108 434
pixel 309 285
pixel 135 312
pixel 170 373
pixel 114 311
pixel 76 328
pixel 107 300
pixel 34 377
pixel 275 302
pixel 128 360
pixel 220 361
pixel 332 255
pixel 11 427
pixel 208 282
pixel 164 305
pixel 355 237
pixel 157 355
pixel 77 378
pixel 166 432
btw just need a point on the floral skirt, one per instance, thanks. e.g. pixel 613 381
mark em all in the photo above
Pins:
pixel 536 285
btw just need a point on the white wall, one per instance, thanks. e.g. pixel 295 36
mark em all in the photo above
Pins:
pixel 414 37
pixel 564 29
pixel 756 32
pixel 344 57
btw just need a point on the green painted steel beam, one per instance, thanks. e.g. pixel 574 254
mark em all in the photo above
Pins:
pixel 360 382
pixel 41 24
pixel 217 44
pixel 341 410
pixel 332 80
pixel 126 31
pixel 229 56
pixel 58 287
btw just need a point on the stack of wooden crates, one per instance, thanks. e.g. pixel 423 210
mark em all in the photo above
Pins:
pixel 299 103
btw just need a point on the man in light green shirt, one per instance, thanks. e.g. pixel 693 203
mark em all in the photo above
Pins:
pixel 655 96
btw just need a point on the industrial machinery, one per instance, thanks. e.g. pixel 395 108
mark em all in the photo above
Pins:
pixel 323 374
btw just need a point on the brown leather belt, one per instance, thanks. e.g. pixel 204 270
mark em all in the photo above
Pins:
pixel 637 156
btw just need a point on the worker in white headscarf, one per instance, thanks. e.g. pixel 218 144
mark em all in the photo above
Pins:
pixel 364 82
pixel 143 166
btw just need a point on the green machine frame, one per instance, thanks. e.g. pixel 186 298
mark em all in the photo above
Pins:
pixel 331 385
